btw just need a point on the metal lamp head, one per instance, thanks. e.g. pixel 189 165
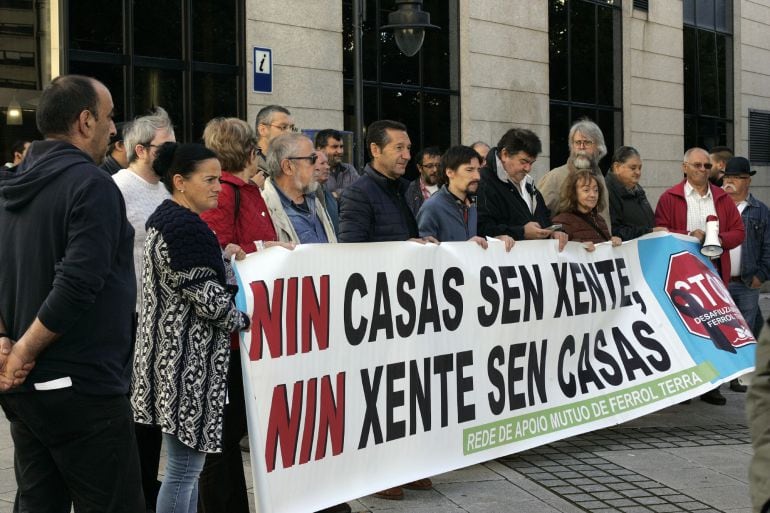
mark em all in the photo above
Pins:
pixel 408 23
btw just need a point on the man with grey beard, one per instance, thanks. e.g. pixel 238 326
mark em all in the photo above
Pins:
pixel 586 145
pixel 289 192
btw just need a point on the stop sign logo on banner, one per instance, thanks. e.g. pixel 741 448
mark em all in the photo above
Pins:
pixel 704 304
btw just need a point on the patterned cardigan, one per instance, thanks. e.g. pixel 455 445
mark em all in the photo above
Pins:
pixel 182 348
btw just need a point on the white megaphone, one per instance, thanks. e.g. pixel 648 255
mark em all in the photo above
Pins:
pixel 711 246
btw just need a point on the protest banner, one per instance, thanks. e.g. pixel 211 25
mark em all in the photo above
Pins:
pixel 371 365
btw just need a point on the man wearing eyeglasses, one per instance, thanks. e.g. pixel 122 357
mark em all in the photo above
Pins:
pixel 586 149
pixel 290 189
pixel 271 122
pixel 427 184
pixel 684 209
pixel 143 191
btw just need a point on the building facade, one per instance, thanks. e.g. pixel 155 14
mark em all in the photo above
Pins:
pixel 660 75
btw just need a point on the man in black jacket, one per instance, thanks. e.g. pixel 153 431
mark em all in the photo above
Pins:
pixel 67 292
pixel 374 208
pixel 508 202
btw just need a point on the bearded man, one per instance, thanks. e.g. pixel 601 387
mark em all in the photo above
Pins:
pixel 587 147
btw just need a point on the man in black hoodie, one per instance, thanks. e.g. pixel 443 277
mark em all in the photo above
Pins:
pixel 67 292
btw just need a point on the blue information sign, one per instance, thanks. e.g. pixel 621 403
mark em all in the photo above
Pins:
pixel 263 70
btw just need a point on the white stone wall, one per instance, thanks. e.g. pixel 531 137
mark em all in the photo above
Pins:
pixel 504 65
pixel 306 40
pixel 653 91
pixel 752 79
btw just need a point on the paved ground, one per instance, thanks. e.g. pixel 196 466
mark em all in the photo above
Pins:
pixel 691 458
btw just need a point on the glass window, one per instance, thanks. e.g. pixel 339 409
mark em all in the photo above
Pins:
pixel 158 28
pixel 585 71
pixel 419 91
pixel 102 35
pixel 708 91
pixel 157 66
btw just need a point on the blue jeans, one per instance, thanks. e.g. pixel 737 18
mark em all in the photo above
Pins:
pixel 747 301
pixel 179 491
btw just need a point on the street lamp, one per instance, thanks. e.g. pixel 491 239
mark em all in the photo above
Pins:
pixel 408 23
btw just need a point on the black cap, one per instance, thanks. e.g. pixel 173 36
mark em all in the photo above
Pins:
pixel 119 129
pixel 738 166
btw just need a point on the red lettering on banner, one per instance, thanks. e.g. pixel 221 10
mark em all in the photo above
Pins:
pixel 275 317
pixel 284 425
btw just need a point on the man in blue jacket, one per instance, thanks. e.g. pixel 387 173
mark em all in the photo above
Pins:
pixel 67 295
pixel 374 207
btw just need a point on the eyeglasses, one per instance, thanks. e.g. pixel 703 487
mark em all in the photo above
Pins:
pixel 285 128
pixel 583 143
pixel 700 165
pixel 312 158
pixel 735 177
pixel 150 145
pixel 429 166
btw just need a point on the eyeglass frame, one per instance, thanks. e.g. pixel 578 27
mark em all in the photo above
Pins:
pixel 707 166
pixel 284 128
pixel 312 158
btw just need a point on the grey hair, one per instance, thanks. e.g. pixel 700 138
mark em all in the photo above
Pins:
pixel 693 150
pixel 593 132
pixel 142 130
pixel 265 115
pixel 281 147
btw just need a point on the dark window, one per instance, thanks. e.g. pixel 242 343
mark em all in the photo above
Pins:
pixel 642 5
pixel 183 55
pixel 759 137
pixel 585 71
pixel 421 91
pixel 708 94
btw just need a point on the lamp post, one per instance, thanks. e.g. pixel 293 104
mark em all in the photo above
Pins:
pixel 408 23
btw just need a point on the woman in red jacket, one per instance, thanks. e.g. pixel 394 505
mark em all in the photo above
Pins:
pixel 241 218
pixel 581 201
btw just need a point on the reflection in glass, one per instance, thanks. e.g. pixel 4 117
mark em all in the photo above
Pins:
pixel 214 96
pixel 159 87
pixel 111 75
pixel 583 54
pixel 558 50
pixel 158 28
pixel 689 12
pixel 704 14
pixel 104 34
pixel 214 31
pixel 690 70
pixel 707 73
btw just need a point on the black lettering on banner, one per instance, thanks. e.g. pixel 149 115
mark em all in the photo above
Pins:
pixel 536 376
pixel 394 398
pixel 453 297
pixel 419 396
pixel 382 316
pixel 496 379
pixel 562 298
pixel 628 356
pixel 616 376
pixel 620 265
pixel 354 335
pixel 442 365
pixel 405 300
pixel 533 290
pixel 515 374
pixel 585 370
pixel 605 268
pixel 581 307
pixel 641 330
pixel 465 412
pixel 568 387
pixel 595 288
pixel 371 416
pixel 489 293
pixel 509 294
pixel 428 305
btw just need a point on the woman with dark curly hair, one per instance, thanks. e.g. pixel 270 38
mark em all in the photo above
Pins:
pixel 183 347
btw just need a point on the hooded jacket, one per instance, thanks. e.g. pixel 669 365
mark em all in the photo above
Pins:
pixel 66 253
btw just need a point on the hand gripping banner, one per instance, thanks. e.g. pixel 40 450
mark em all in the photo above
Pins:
pixel 371 365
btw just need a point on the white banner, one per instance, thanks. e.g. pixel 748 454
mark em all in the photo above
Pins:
pixel 372 365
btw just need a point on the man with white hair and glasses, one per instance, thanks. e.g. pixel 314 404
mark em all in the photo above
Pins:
pixel 586 149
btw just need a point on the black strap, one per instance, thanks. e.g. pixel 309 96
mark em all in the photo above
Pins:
pixel 237 192
pixel 588 219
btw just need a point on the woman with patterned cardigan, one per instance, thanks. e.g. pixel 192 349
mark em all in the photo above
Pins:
pixel 182 349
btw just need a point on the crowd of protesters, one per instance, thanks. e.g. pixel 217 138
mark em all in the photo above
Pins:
pixel 118 328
